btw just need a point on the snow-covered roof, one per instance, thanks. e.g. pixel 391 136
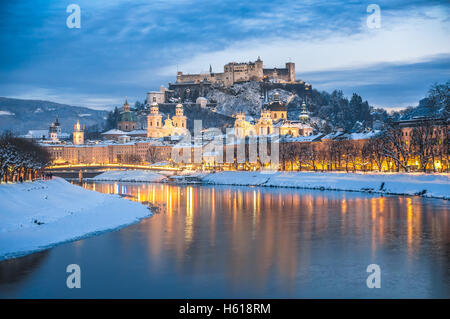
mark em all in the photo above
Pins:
pixel 309 138
pixel 36 134
pixel 332 136
pixel 362 136
pixel 113 132
pixel 137 132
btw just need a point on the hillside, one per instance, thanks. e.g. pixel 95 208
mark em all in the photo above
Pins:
pixel 327 111
pixel 22 115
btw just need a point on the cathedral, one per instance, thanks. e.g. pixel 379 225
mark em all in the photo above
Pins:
pixel 172 126
pixel 127 119
pixel 274 117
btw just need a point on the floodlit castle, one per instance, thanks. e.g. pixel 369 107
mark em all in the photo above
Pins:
pixel 172 126
pixel 274 118
pixel 242 72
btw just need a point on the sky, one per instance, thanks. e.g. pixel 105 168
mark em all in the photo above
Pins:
pixel 126 48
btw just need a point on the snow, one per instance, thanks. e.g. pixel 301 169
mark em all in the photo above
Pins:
pixel 36 134
pixel 6 113
pixel 113 131
pixel 39 215
pixel 435 185
pixel 129 176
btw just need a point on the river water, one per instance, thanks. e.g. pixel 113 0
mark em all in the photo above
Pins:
pixel 242 242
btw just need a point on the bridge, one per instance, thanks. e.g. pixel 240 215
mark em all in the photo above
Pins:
pixel 91 170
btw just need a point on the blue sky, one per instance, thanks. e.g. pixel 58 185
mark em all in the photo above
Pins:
pixel 126 48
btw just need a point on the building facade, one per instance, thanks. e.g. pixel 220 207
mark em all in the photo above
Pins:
pixel 177 125
pixel 273 119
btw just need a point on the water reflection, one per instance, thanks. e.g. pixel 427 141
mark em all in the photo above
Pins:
pixel 237 242
pixel 255 234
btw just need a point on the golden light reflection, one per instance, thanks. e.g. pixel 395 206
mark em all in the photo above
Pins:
pixel 260 234
pixel 409 222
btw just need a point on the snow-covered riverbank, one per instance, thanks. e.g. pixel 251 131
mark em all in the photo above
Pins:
pixel 431 185
pixel 427 185
pixel 38 215
pixel 130 176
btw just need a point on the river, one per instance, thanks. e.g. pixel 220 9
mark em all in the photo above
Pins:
pixel 242 242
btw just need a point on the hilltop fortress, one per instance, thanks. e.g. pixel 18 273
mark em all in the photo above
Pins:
pixel 242 72
pixel 189 87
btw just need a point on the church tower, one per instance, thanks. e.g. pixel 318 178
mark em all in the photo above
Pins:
pixel 304 117
pixel 127 120
pixel 154 120
pixel 78 134
pixel 179 120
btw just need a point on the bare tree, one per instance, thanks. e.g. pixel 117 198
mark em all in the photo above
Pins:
pixel 374 150
pixel 423 142
pixel 397 148
pixel 153 155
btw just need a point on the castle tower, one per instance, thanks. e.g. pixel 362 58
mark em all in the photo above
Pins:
pixel 179 120
pixel 291 70
pixel 78 134
pixel 154 120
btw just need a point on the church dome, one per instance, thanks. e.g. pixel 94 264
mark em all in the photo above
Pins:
pixel 127 117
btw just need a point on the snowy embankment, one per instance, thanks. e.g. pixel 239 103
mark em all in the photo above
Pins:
pixel 129 176
pixel 38 215
pixel 431 185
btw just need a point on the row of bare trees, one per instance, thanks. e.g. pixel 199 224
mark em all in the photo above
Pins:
pixel 424 149
pixel 20 159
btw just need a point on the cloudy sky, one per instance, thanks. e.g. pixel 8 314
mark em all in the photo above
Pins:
pixel 126 48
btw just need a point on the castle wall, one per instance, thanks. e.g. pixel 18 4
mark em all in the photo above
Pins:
pixel 241 72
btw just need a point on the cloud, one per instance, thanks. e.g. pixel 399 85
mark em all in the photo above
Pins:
pixel 400 39
pixel 130 47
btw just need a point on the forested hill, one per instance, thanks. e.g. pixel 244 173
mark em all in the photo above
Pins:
pixel 22 115
pixel 329 111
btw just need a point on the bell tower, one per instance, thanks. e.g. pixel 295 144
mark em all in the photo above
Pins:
pixel 154 120
pixel 78 134
pixel 179 120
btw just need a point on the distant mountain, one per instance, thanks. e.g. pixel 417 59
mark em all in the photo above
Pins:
pixel 22 115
